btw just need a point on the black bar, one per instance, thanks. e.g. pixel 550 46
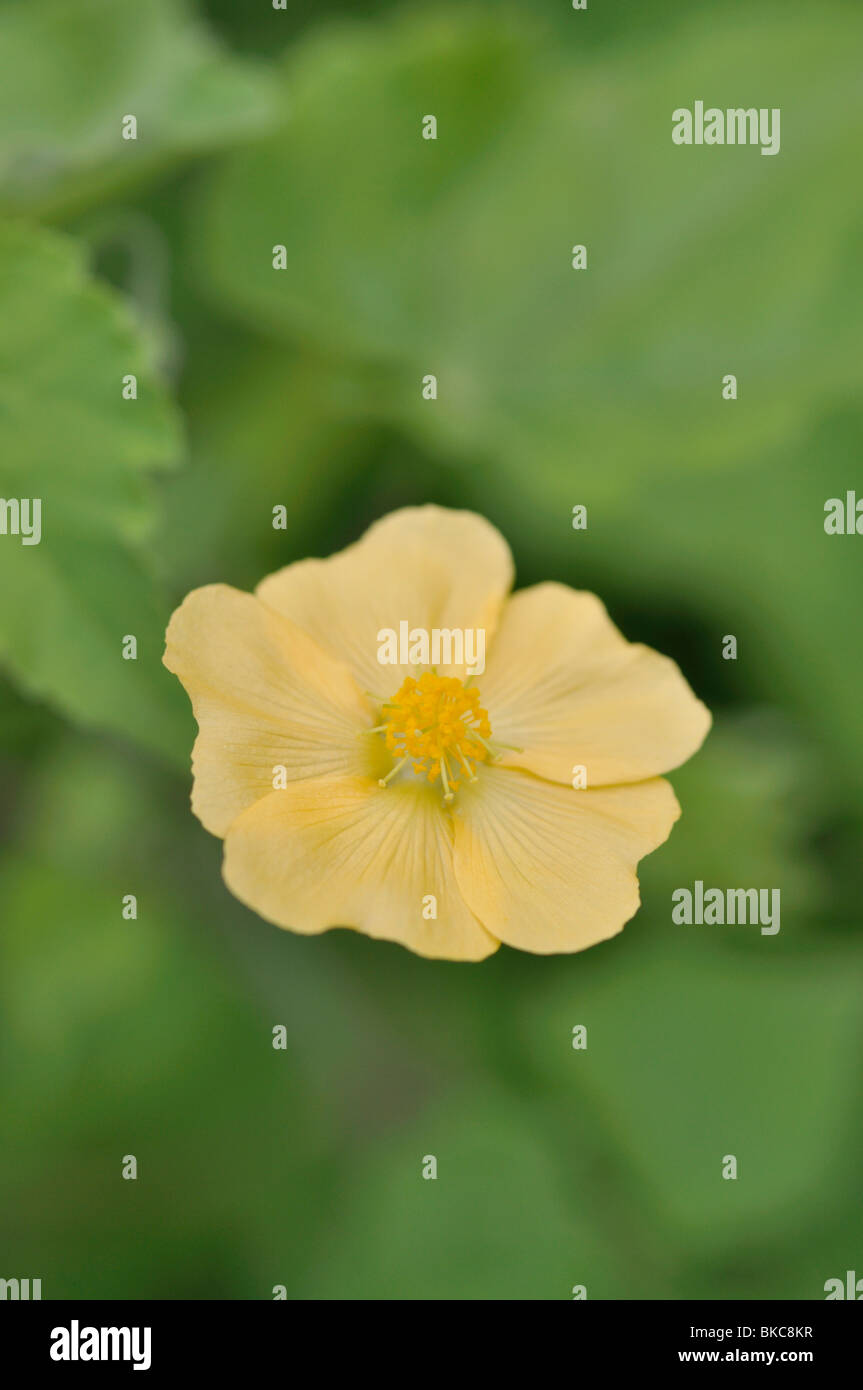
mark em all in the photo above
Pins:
pixel 226 1337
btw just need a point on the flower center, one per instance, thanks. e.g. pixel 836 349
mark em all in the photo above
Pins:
pixel 438 725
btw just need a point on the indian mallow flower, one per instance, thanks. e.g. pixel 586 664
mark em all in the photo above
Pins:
pixel 355 784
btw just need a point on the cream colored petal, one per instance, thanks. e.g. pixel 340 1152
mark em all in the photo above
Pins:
pixel 265 696
pixel 549 869
pixel 566 687
pixel 344 852
pixel 426 566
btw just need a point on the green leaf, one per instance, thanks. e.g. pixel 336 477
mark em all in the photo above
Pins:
pixel 72 69
pixel 126 1036
pixel 695 1052
pixel 455 257
pixel 69 439
pixel 502 1219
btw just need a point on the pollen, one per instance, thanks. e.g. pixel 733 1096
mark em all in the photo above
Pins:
pixel 437 725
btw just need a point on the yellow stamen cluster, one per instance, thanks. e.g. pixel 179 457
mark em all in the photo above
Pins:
pixel 438 724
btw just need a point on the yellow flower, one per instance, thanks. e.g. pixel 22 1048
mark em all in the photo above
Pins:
pixel 425 806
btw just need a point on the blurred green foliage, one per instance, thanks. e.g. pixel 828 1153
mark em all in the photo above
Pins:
pixel 73 69
pixel 456 257
pixel 153 1036
pixel 69 438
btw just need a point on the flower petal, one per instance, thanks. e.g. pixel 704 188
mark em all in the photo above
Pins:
pixel 566 687
pixel 344 852
pixel 264 696
pixel 426 566
pixel 549 869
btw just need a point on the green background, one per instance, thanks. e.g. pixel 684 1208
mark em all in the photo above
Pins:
pixel 258 127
